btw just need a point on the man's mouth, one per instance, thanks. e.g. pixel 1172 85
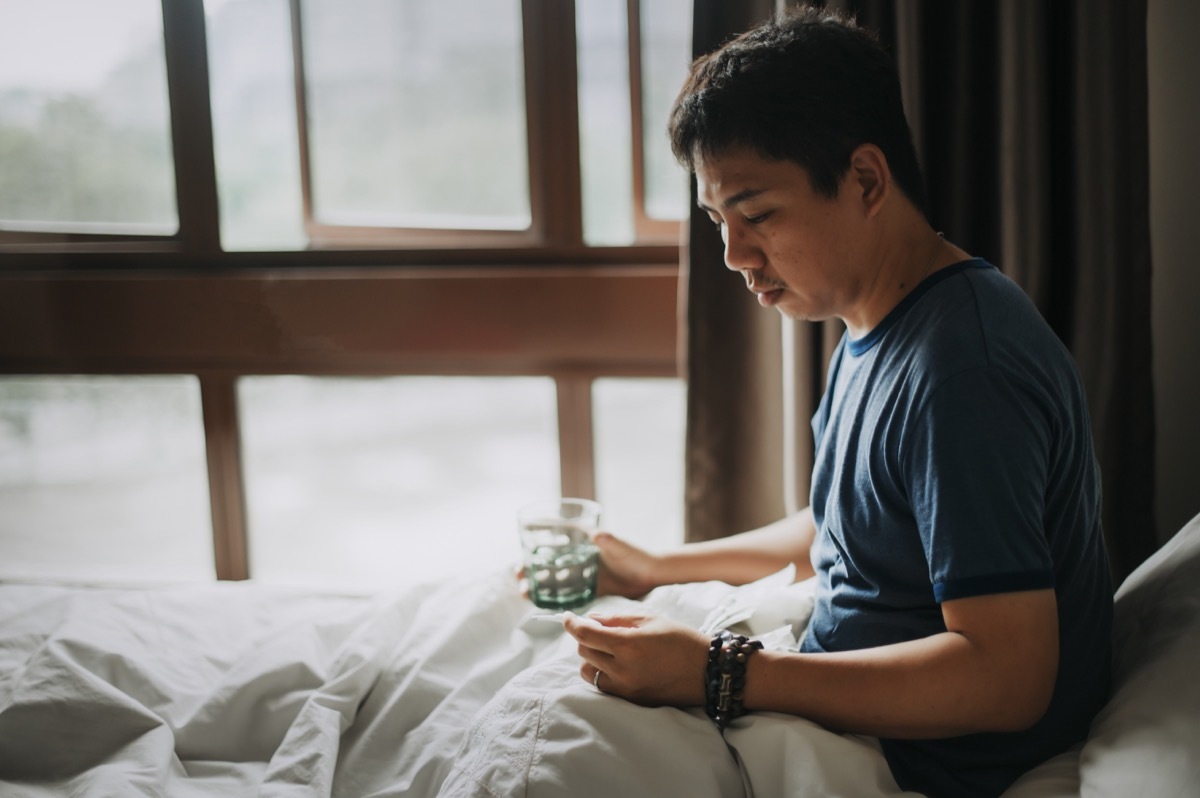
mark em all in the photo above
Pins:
pixel 769 297
pixel 768 291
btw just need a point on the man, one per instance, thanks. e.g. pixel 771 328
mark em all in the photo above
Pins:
pixel 963 610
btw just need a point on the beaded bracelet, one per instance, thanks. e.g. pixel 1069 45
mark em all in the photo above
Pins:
pixel 725 676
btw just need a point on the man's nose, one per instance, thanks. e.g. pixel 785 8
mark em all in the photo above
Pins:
pixel 740 256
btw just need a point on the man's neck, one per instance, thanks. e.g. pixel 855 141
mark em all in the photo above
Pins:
pixel 898 260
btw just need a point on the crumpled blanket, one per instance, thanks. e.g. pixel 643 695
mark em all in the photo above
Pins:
pixel 454 689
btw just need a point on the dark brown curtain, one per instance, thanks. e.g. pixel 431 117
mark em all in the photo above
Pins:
pixel 1031 120
pixel 732 361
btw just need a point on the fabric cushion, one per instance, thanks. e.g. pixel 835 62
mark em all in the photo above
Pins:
pixel 1146 741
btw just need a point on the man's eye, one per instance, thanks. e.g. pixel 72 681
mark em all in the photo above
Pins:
pixel 762 217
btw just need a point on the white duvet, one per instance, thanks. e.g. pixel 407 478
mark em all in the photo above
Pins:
pixel 243 690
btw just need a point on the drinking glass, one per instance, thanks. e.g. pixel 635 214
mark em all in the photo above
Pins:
pixel 561 562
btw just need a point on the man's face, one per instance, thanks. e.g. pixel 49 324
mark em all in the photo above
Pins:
pixel 794 247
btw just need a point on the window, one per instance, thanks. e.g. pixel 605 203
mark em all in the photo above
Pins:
pixel 639 458
pixel 632 188
pixel 84 130
pixel 606 152
pixel 354 191
pixel 395 481
pixel 664 48
pixel 412 130
pixel 327 123
pixel 103 478
pixel 392 481
pixel 255 139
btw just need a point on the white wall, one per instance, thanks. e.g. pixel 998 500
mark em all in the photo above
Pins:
pixel 1174 66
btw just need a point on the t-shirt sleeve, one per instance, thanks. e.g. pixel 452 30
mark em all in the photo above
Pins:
pixel 975 462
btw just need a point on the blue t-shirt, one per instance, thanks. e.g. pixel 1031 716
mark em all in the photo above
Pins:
pixel 954 459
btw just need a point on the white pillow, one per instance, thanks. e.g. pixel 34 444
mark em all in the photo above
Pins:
pixel 1146 740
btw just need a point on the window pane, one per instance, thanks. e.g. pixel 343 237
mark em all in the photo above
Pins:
pixel 606 153
pixel 255 141
pixel 666 53
pixel 85 140
pixel 639 428
pixel 417 113
pixel 103 478
pixel 390 481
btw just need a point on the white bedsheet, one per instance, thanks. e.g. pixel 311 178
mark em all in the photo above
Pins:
pixel 243 690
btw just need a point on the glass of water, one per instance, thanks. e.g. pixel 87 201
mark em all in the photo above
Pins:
pixel 561 562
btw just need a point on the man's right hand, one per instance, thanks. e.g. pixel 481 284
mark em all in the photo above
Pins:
pixel 625 569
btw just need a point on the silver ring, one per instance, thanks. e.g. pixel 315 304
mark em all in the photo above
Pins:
pixel 596 680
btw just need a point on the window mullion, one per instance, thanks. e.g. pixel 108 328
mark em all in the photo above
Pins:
pixel 191 124
pixel 226 482
pixel 301 97
pixel 646 228
pixel 637 137
pixel 552 113
pixel 575 439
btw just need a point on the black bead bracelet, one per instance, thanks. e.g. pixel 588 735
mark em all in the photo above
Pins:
pixel 725 676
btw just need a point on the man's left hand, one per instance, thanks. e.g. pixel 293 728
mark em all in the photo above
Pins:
pixel 643 658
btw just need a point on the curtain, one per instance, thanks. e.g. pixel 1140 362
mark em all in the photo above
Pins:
pixel 1031 122
pixel 734 448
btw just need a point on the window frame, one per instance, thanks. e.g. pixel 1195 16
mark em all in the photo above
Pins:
pixel 551 99
pixel 550 75
pixel 373 305
pixel 646 228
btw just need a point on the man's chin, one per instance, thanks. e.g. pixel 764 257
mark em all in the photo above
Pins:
pixel 789 310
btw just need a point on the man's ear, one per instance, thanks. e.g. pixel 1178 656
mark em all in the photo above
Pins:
pixel 870 177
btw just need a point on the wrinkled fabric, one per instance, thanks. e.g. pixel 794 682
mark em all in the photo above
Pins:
pixel 458 690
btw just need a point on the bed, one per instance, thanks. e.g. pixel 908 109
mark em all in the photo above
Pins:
pixel 463 689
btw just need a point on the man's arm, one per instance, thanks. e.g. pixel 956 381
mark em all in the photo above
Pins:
pixel 992 670
pixel 630 571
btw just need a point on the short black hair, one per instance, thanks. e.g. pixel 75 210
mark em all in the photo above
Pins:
pixel 808 86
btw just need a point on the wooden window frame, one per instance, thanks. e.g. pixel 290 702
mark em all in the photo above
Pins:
pixel 572 324
pixel 550 90
pixel 548 306
pixel 646 228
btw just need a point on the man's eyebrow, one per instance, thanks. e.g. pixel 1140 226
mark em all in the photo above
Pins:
pixel 741 196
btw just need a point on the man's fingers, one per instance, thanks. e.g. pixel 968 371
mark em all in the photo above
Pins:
pixel 587 630
pixel 604 633
pixel 619 621
pixel 593 656
pixel 522 582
